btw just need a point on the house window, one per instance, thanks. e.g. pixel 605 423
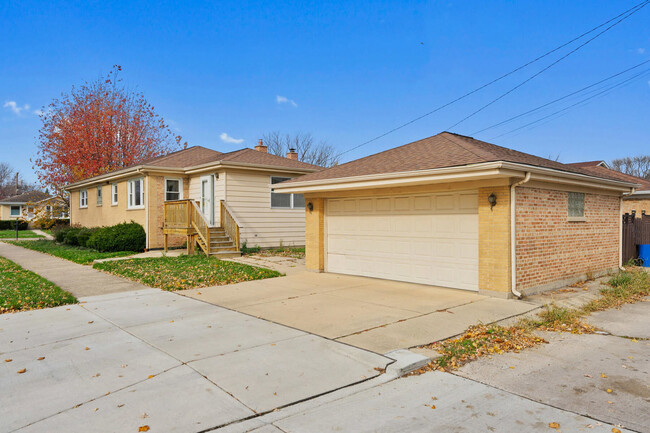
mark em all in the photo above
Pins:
pixel 14 211
pixel 285 201
pixel 173 189
pixel 576 205
pixel 114 194
pixel 99 196
pixel 83 198
pixel 136 193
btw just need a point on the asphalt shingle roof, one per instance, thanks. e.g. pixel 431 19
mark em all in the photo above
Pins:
pixel 27 197
pixel 439 151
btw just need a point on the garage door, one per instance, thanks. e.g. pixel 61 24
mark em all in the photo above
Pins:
pixel 427 239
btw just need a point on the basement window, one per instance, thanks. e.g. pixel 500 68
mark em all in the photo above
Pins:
pixel 576 206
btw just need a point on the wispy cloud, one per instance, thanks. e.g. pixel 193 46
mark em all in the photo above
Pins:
pixel 640 50
pixel 228 139
pixel 284 100
pixel 13 106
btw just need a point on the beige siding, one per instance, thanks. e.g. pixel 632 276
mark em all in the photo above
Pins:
pixel 219 190
pixel 248 193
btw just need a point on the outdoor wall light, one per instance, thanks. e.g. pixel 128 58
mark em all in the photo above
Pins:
pixel 492 199
pixel 310 206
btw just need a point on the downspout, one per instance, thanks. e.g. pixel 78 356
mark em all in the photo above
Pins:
pixel 620 230
pixel 513 255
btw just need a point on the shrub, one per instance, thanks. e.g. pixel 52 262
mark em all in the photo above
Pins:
pixel 70 237
pixel 245 249
pixel 11 225
pixel 84 234
pixel 51 223
pixel 59 234
pixel 121 237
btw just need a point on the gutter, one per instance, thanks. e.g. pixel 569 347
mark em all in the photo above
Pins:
pixel 513 232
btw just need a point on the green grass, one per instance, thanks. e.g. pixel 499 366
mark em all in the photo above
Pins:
pixel 80 255
pixel 21 290
pixel 184 272
pixel 11 234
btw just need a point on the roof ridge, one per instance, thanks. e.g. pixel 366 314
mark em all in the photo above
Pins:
pixel 450 139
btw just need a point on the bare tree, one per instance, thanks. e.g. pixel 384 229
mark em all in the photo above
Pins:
pixel 11 182
pixel 638 166
pixel 309 151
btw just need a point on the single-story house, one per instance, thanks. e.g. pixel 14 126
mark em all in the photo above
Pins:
pixel 453 211
pixel 636 203
pixel 205 186
pixel 29 204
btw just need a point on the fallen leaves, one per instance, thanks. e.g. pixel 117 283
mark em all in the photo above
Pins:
pixel 609 391
pixel 40 358
pixel 143 428
pixel 8 360
pixel 21 371
pixel 477 341
pixel 615 430
pixel 554 425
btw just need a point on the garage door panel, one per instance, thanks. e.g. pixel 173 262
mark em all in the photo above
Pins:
pixel 428 239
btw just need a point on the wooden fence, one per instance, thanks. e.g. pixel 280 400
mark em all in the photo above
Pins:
pixel 636 231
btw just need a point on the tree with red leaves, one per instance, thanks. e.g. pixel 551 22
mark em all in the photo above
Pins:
pixel 96 128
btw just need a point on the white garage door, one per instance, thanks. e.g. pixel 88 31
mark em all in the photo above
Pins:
pixel 428 239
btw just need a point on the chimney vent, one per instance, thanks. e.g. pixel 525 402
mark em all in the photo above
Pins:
pixel 292 154
pixel 260 147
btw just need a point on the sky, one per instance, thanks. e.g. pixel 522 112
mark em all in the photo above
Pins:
pixel 224 73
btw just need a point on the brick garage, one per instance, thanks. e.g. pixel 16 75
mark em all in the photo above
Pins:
pixel 551 249
pixel 566 219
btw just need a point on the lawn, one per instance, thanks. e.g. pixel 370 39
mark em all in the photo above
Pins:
pixel 292 252
pixel 80 255
pixel 11 234
pixel 24 290
pixel 184 272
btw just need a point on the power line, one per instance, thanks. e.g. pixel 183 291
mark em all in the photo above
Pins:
pixel 563 110
pixel 634 8
pixel 559 99
pixel 503 95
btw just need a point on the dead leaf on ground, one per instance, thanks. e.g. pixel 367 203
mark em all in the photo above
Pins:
pixel 609 390
pixel 615 430
pixel 433 406
pixel 87 348
pixel 554 425
pixel 603 375
pixel 8 360
pixel 143 428
pixel 151 375
pixel 40 359
pixel 21 371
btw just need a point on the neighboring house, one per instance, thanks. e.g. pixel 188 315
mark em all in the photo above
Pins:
pixel 29 204
pixel 443 211
pixel 202 179
pixel 638 202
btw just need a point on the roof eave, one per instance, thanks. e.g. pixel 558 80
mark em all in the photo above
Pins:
pixel 449 174
pixel 248 166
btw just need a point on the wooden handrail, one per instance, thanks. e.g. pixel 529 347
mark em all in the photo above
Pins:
pixel 201 225
pixel 230 223
pixel 185 215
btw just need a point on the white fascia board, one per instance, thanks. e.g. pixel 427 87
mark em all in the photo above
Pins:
pixel 246 166
pixel 121 174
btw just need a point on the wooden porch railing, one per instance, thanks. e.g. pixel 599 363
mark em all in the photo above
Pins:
pixel 229 223
pixel 184 217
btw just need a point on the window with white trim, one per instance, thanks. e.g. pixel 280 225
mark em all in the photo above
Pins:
pixel 576 205
pixel 173 189
pixel 114 194
pixel 14 211
pixel 100 199
pixel 83 198
pixel 285 201
pixel 136 193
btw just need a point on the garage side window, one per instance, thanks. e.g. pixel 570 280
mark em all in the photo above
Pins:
pixel 285 201
pixel 576 205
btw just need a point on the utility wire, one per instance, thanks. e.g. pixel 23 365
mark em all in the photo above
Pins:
pixel 634 8
pixel 503 95
pixel 563 110
pixel 559 99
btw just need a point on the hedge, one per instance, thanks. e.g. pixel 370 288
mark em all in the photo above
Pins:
pixel 11 225
pixel 52 223
pixel 121 237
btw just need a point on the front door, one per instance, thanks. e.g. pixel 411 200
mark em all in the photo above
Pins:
pixel 207 198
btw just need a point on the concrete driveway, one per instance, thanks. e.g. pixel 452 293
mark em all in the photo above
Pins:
pixel 125 360
pixel 373 314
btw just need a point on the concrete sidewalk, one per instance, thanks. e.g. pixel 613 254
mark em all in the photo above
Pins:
pixel 80 280
pixel 125 360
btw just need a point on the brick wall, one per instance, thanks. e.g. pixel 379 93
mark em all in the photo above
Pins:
pixel 639 205
pixel 156 191
pixel 494 240
pixel 314 234
pixel 551 249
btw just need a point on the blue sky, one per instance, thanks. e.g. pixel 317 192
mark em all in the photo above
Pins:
pixel 344 71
